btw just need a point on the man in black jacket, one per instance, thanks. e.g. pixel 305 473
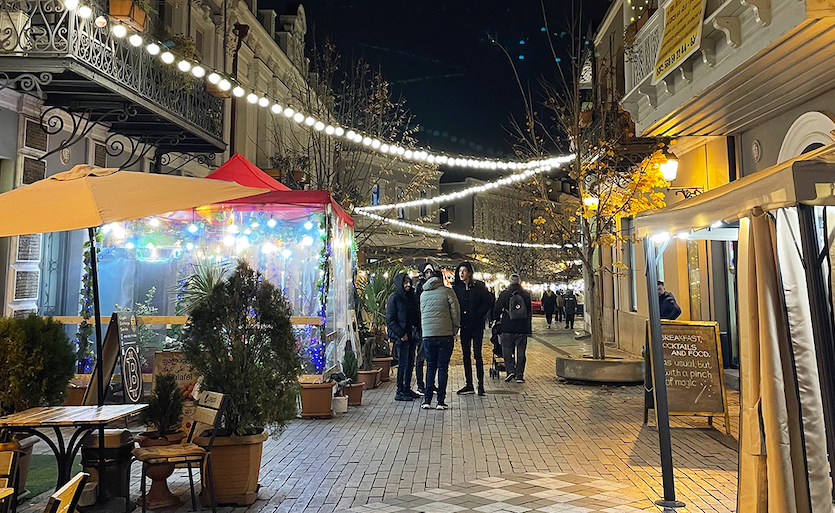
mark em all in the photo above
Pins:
pixel 475 301
pixel 515 331
pixel 669 306
pixel 403 323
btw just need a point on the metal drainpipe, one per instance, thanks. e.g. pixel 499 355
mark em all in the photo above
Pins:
pixel 240 32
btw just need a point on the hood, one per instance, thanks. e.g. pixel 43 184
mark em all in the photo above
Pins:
pixel 398 283
pixel 433 283
pixel 569 293
pixel 423 269
pixel 469 267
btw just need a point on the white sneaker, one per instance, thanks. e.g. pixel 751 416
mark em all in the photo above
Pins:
pixel 442 406
pixel 426 406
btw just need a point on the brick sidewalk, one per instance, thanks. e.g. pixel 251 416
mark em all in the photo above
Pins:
pixel 394 456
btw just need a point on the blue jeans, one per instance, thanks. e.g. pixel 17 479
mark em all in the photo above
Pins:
pixel 438 351
pixel 405 363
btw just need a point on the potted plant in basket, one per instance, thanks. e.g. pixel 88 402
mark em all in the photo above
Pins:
pixel 132 12
pixel 37 363
pixel 351 371
pixel 340 399
pixel 241 342
pixel 164 414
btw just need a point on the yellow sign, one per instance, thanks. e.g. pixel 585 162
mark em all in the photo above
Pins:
pixel 682 35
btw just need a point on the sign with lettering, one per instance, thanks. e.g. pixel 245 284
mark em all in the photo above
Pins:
pixel 682 35
pixel 174 362
pixel 119 347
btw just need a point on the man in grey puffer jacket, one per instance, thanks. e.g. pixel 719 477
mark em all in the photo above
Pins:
pixel 440 318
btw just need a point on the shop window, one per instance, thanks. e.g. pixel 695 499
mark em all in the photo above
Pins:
pixel 694 279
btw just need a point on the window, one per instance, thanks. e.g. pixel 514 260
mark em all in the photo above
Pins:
pixel 375 194
pixel 694 277
pixel 401 212
pixel 166 13
pixel 423 210
pixel 447 214
pixel 198 44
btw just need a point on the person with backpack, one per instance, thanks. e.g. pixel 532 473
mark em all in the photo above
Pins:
pixel 570 303
pixel 514 308
pixel 403 323
pixel 475 301
pixel 439 320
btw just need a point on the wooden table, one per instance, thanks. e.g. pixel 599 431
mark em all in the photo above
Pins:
pixel 85 419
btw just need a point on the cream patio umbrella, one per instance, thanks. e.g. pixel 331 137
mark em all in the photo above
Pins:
pixel 86 197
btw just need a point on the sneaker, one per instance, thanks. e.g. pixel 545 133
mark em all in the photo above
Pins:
pixel 441 406
pixel 426 406
pixel 422 390
pixel 467 390
pixel 481 392
pixel 520 380
pixel 509 378
pixel 403 397
pixel 415 395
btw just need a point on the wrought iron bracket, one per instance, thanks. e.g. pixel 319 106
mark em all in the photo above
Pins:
pixel 167 159
pixel 687 192
pixel 83 119
pixel 27 82
pixel 139 146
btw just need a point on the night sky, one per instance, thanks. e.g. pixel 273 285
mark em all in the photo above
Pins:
pixel 438 55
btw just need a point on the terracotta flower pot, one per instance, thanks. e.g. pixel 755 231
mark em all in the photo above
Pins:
pixel 316 400
pixel 236 461
pixel 368 378
pixel 354 393
pixel 384 364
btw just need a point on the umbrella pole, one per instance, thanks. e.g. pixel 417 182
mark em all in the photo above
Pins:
pixel 97 312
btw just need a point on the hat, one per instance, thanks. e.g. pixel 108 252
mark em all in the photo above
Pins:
pixel 427 267
pixel 514 278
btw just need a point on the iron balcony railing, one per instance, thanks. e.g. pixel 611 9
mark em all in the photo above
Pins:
pixel 39 29
pixel 640 58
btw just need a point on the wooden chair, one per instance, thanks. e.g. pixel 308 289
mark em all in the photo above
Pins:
pixel 66 498
pixel 210 408
pixel 8 480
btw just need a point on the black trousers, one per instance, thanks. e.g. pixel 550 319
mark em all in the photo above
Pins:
pixel 559 313
pixel 471 346
pixel 548 317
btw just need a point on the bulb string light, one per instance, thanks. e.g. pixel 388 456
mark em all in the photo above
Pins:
pixel 476 189
pixel 229 84
pixel 464 237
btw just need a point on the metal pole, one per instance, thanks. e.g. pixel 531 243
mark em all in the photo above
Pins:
pixel 97 312
pixel 822 322
pixel 659 379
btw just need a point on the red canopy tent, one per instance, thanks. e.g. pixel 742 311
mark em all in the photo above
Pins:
pixel 239 169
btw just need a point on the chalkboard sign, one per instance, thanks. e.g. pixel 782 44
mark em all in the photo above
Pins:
pixel 693 369
pixel 120 346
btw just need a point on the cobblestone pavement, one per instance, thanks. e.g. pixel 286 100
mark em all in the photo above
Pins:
pixel 541 446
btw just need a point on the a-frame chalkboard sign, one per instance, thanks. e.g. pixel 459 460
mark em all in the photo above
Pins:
pixel 121 345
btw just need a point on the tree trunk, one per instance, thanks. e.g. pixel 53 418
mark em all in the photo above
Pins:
pixel 594 306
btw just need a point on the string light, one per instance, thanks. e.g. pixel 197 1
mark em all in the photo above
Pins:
pixel 226 82
pixel 461 236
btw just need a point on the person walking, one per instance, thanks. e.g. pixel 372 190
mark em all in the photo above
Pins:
pixel 439 320
pixel 570 303
pixel 514 307
pixel 560 306
pixel 426 273
pixel 474 301
pixel 669 306
pixel 403 323
pixel 549 305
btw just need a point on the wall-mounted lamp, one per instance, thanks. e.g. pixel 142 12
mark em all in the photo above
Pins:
pixel 669 170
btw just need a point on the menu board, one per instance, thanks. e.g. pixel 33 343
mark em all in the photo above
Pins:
pixel 693 368
pixel 174 362
pixel 131 363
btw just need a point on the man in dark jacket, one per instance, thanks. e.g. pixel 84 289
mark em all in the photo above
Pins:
pixel 514 331
pixel 569 301
pixel 669 306
pixel 403 323
pixel 549 305
pixel 475 301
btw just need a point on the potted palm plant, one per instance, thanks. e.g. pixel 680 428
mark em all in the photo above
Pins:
pixel 241 342
pixel 37 363
pixel 375 290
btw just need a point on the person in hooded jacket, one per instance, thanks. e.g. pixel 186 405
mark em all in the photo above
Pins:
pixel 439 320
pixel 427 272
pixel 403 323
pixel 569 301
pixel 475 301
pixel 514 337
pixel 549 305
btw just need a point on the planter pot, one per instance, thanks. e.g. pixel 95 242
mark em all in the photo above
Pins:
pixel 368 378
pixel 384 364
pixel 129 13
pixel 379 377
pixel 159 496
pixel 354 393
pixel 236 461
pixel 316 400
pixel 340 404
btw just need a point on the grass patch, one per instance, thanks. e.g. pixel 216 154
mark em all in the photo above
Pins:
pixel 43 474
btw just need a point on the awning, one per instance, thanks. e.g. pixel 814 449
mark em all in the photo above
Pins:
pixel 809 179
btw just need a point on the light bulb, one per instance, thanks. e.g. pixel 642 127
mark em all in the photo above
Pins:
pixel 319 126
pixel 263 102
pixel 167 57
pixel 286 253
pixel 289 112
pixel 189 246
pixel 271 223
pixel 350 135
pixel 184 66
pixel 192 228
pixel 238 91
pixel 408 154
pixel 85 12
pixel 70 4
pixel 366 141
pixel 119 31
pixel 224 85
pixel 339 131
pixel 198 71
pixel 136 40
pixel 298 117
pixel 276 108
pixel 309 121
pixel 101 22
pixel 374 144
pixel 307 240
pixel 308 225
pixel 329 130
pixel 153 48
pixel 213 78
pixel 669 169
pixel 252 98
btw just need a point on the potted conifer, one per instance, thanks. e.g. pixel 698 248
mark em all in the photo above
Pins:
pixel 351 370
pixel 240 341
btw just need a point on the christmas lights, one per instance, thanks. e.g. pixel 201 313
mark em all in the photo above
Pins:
pixel 461 236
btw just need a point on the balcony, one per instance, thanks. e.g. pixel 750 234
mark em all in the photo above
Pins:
pixel 77 67
pixel 757 58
